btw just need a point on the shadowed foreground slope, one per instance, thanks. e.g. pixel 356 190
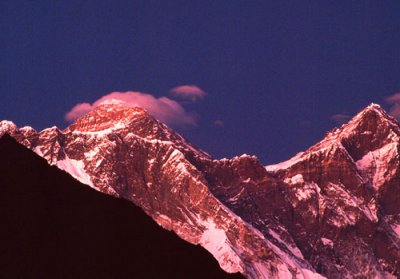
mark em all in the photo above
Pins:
pixel 55 227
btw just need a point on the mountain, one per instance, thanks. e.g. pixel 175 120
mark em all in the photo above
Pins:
pixel 333 204
pixel 330 211
pixel 55 227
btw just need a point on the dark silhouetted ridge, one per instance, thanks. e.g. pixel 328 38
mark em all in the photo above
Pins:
pixel 52 226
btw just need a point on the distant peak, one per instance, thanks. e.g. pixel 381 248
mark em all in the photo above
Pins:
pixel 369 130
pixel 373 113
pixel 371 119
pixel 376 108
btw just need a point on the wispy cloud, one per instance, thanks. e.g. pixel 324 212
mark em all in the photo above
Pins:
pixel 163 108
pixel 394 101
pixel 219 123
pixel 78 111
pixel 340 118
pixel 191 93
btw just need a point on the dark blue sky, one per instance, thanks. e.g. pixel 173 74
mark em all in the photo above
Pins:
pixel 275 71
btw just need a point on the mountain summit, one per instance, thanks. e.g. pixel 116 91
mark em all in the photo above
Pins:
pixel 331 211
pixel 369 130
pixel 55 227
pixel 125 152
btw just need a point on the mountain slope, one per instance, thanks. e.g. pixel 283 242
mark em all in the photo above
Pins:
pixel 53 226
pixel 332 210
pixel 337 202
pixel 125 152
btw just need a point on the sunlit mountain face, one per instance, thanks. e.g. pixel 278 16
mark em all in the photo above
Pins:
pixel 55 227
pixel 331 211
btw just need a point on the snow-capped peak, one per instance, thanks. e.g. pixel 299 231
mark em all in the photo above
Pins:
pixel 108 116
pixel 324 201
pixel 111 102
pixel 373 110
pixel 369 130
pixel 374 106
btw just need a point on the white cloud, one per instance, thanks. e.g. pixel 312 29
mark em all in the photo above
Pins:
pixel 188 92
pixel 163 108
pixel 78 111
pixel 219 123
pixel 394 101
pixel 340 118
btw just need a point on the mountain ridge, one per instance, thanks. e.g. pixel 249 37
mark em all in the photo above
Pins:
pixel 300 218
pixel 54 226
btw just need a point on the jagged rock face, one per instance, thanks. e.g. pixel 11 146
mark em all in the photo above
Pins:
pixel 371 130
pixel 330 202
pixel 338 200
pixel 332 210
pixel 125 152
pixel 55 227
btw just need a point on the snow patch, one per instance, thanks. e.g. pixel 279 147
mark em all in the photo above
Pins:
pixel 283 270
pixel 7 126
pixel 91 154
pixel 27 129
pixel 286 164
pixel 102 132
pixel 309 274
pixel 327 242
pixel 387 275
pixel 76 169
pixel 396 229
pixel 112 102
pixel 305 192
pixel 262 271
pixel 237 196
pixel 294 249
pixel 375 164
pixel 216 242
pixel 366 133
pixel 297 179
pixel 38 151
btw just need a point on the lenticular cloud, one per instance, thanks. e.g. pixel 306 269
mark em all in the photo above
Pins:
pixel 192 93
pixel 394 100
pixel 77 111
pixel 163 108
pixel 340 118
